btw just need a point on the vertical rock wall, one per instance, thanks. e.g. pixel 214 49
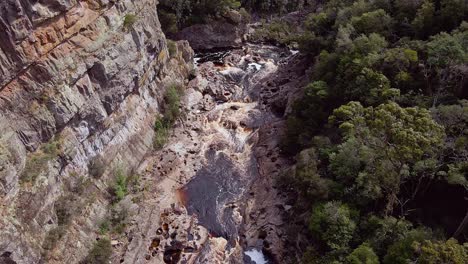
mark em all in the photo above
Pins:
pixel 79 79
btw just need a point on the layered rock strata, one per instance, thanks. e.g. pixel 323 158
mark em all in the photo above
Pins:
pixel 81 83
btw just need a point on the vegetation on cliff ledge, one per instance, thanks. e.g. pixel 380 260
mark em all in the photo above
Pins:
pixel 171 111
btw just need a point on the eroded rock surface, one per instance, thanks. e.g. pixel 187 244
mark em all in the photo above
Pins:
pixel 214 181
pixel 228 32
pixel 77 84
pixel 81 85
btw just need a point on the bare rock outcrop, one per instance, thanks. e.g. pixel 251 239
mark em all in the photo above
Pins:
pixel 81 83
pixel 223 33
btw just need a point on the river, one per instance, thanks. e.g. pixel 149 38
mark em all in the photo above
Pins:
pixel 205 172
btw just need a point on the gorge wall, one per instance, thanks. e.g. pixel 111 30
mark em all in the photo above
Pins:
pixel 81 83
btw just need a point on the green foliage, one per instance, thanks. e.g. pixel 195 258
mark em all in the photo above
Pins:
pixel 168 22
pixel 425 18
pixel 402 251
pixel 172 104
pixel 452 13
pixel 383 232
pixel 446 50
pixel 38 161
pixel 271 6
pixel 100 253
pixel 182 13
pixel 171 111
pixel 387 142
pixel 277 31
pixel 172 47
pixel 377 21
pixel 364 254
pixel 161 130
pixel 407 133
pixel 129 20
pixel 377 66
pixel 441 252
pixel 119 190
pixel 308 178
pixel 319 22
pixel 333 223
pixel 455 120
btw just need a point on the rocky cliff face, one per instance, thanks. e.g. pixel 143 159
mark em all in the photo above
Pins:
pixel 81 82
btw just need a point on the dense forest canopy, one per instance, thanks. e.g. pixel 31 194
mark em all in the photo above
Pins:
pixel 176 14
pixel 380 134
pixel 383 161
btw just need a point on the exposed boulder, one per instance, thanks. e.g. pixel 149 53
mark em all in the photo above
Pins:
pixel 216 34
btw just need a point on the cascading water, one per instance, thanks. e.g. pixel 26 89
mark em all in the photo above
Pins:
pixel 206 170
pixel 213 194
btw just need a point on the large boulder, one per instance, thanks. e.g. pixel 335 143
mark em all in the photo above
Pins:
pixel 217 34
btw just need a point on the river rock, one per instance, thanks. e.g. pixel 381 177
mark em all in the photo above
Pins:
pixel 216 34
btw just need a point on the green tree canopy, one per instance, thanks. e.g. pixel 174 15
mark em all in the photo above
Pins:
pixel 333 223
pixel 388 142
pixel 364 254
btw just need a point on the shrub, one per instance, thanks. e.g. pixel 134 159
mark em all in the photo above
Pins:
pixel 115 222
pixel 119 190
pixel 172 48
pixel 96 167
pixel 52 238
pixel 104 227
pixel 129 20
pixel 172 104
pixel 118 219
pixel 63 209
pixel 100 253
pixel 168 22
pixel 37 162
pixel 275 32
pixel 161 133
pixel 171 111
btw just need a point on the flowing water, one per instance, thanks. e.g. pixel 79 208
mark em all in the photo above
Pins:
pixel 214 195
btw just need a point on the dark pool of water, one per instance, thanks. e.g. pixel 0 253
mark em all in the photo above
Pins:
pixel 211 193
pixel 216 56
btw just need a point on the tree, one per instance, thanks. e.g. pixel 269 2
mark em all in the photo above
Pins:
pixel 402 251
pixel 405 10
pixel 449 251
pixel 333 223
pixel 187 12
pixel 364 254
pixel 382 232
pixel 452 13
pixel 391 141
pixel 455 120
pixel 377 21
pixel 445 53
pixel 424 21
pixel 306 172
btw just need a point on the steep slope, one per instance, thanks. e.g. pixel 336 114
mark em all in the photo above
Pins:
pixel 80 87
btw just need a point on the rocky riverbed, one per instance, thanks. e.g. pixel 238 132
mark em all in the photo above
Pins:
pixel 211 196
pixel 80 93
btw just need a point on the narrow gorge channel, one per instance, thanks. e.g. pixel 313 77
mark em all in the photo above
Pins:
pixel 208 173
